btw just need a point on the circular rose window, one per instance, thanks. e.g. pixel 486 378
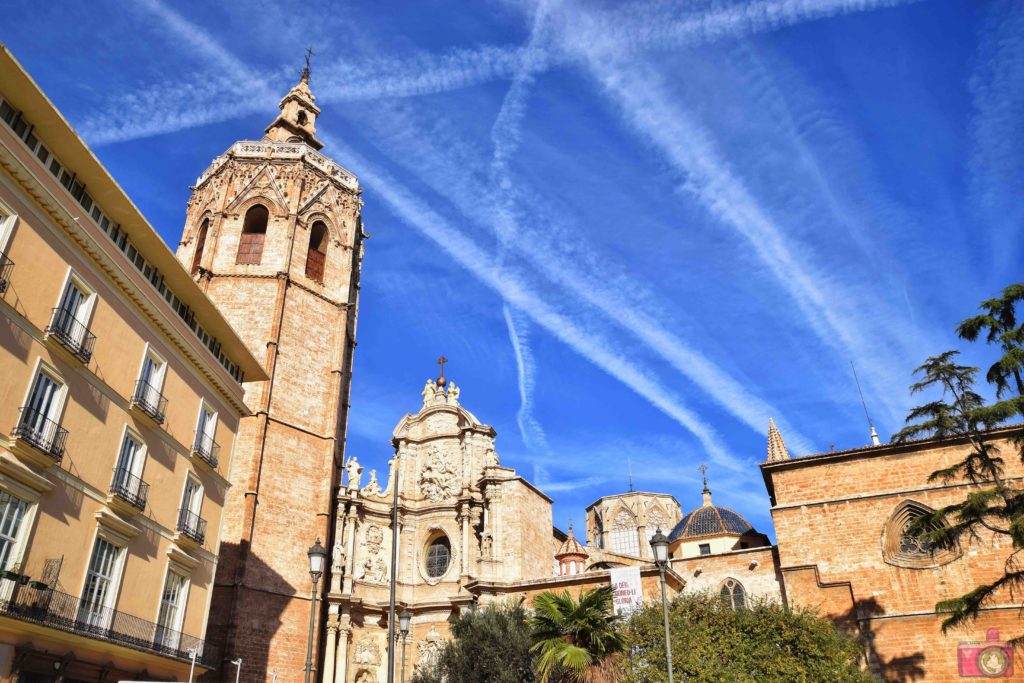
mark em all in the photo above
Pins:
pixel 439 556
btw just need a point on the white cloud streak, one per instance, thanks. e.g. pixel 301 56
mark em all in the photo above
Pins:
pixel 166 107
pixel 529 428
pixel 639 93
pixel 997 131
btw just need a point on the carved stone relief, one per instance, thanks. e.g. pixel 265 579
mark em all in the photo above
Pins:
pixel 429 649
pixel 367 651
pixel 374 569
pixel 438 478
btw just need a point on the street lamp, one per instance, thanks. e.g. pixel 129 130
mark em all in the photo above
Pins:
pixel 317 557
pixel 659 543
pixel 403 627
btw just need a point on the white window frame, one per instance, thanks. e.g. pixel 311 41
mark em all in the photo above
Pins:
pixel 205 407
pixel 8 219
pixel 84 313
pixel 56 412
pixel 201 493
pixel 161 363
pixel 179 621
pixel 19 544
pixel 110 599
pixel 139 465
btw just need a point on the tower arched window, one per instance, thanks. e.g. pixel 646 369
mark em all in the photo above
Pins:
pixel 733 595
pixel 316 255
pixel 254 233
pixel 624 538
pixel 302 118
pixel 197 257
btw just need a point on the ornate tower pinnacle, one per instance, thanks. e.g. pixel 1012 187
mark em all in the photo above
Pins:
pixel 298 114
pixel 776 446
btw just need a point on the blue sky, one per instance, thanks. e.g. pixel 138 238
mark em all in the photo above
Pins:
pixel 638 231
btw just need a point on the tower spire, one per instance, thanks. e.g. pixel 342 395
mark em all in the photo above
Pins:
pixel 776 446
pixel 307 71
pixel 706 493
pixel 296 122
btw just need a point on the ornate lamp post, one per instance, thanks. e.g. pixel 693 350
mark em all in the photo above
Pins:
pixel 659 543
pixel 317 557
pixel 403 628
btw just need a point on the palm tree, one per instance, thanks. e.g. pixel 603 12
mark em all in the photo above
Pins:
pixel 576 642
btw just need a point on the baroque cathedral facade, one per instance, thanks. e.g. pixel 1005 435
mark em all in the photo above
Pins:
pixel 273 234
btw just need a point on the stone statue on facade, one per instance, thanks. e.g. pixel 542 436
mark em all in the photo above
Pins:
pixel 355 473
pixel 372 488
pixel 453 393
pixel 429 392
pixel 486 546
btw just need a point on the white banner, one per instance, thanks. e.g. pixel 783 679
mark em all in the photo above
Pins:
pixel 628 595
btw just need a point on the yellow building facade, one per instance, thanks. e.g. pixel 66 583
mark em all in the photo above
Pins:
pixel 120 397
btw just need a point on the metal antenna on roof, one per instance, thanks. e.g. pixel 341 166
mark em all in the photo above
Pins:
pixel 629 469
pixel 875 441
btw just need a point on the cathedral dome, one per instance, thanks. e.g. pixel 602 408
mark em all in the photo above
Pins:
pixel 710 520
pixel 571 547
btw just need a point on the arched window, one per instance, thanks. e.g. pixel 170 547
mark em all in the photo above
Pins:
pixel 197 257
pixel 439 556
pixel 254 232
pixel 302 118
pixel 316 255
pixel 733 595
pixel 906 542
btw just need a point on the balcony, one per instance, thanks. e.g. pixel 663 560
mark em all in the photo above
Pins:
pixel 129 488
pixel 206 449
pixel 150 402
pixel 71 334
pixel 6 266
pixel 51 608
pixel 41 433
pixel 192 526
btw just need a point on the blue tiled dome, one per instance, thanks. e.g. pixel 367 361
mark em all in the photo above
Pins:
pixel 709 520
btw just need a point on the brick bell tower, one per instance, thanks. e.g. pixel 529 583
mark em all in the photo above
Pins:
pixel 273 234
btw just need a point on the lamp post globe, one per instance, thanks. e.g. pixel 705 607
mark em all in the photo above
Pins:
pixel 317 558
pixel 659 543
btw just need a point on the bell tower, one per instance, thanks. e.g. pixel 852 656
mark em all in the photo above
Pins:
pixel 273 233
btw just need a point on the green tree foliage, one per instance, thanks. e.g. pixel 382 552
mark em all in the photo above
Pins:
pixel 999 323
pixel 489 645
pixel 991 505
pixel 765 643
pixel 576 642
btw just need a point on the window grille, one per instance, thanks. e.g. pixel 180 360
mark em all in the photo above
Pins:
pixel 439 556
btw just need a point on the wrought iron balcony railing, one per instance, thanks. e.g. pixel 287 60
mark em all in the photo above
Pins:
pixel 42 433
pixel 129 488
pixel 68 613
pixel 72 334
pixel 206 448
pixel 150 401
pixel 192 525
pixel 6 266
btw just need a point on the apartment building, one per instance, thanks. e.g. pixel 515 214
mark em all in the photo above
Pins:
pixel 120 399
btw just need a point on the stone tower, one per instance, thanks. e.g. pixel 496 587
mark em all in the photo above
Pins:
pixel 273 234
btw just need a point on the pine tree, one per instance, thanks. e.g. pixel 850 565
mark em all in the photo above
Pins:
pixel 991 506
